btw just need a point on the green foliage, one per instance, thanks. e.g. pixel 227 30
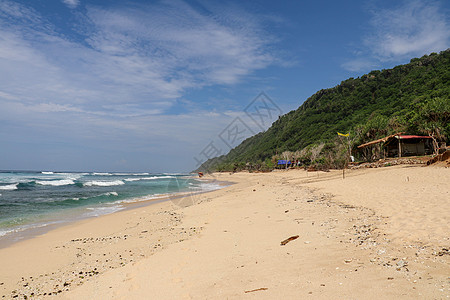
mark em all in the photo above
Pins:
pixel 432 117
pixel 412 98
pixel 269 164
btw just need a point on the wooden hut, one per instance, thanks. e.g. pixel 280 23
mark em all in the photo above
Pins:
pixel 400 145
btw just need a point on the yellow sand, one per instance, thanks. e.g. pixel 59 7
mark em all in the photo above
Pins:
pixel 378 233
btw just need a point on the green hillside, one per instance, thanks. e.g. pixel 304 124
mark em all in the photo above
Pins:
pixel 413 98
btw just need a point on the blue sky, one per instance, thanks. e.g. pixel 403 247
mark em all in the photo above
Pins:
pixel 89 85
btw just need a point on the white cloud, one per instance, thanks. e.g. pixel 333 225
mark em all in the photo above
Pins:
pixel 53 122
pixel 10 10
pixel 412 29
pixel 139 55
pixel 72 3
pixel 7 96
pixel 186 46
pixel 415 28
pixel 110 83
pixel 358 64
pixel 51 107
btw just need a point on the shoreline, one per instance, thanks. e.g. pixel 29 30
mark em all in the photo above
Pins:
pixel 74 215
pixel 19 265
pixel 351 242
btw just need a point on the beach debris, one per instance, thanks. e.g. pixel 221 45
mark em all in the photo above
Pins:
pixel 391 162
pixel 400 264
pixel 294 237
pixel 347 261
pixel 256 290
pixel 390 278
pixel 443 252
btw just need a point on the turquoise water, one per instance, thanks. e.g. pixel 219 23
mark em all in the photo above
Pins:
pixel 37 199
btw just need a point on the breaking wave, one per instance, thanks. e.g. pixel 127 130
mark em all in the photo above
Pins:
pixel 56 182
pixel 104 183
pixel 9 187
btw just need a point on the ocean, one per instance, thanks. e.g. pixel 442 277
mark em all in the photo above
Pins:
pixel 30 200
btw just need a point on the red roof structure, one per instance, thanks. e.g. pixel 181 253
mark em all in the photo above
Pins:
pixel 403 145
pixel 382 140
pixel 405 137
pixel 398 136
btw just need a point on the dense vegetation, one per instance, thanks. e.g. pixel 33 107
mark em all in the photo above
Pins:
pixel 411 98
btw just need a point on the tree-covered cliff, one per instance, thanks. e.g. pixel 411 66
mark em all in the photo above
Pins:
pixel 413 98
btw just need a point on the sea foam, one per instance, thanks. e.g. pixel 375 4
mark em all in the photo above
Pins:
pixel 9 187
pixel 149 178
pixel 56 182
pixel 130 174
pixel 132 179
pixel 104 183
pixel 207 186
pixel 98 211
pixel 111 194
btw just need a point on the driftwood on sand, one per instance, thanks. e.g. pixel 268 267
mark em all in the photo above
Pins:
pixel 255 290
pixel 289 239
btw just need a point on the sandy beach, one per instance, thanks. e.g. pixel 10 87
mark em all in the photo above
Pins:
pixel 378 233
